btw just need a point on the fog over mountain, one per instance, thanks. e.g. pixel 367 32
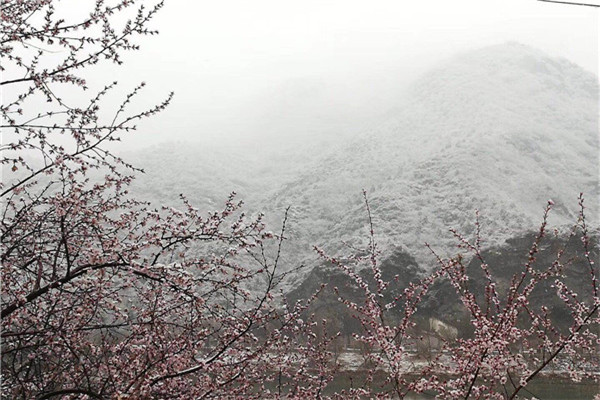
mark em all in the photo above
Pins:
pixel 501 129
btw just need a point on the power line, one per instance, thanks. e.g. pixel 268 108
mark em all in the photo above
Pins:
pixel 570 3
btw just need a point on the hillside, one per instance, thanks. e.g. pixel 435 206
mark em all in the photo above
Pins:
pixel 441 301
pixel 500 129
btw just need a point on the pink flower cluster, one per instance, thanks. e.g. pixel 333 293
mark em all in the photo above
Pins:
pixel 512 341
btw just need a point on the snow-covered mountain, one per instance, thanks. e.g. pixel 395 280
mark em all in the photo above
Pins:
pixel 501 129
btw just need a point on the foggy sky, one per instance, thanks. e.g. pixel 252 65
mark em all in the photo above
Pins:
pixel 241 69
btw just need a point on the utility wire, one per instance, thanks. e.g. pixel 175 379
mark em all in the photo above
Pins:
pixel 570 3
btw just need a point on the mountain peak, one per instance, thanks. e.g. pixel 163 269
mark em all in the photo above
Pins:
pixel 501 129
pixel 514 69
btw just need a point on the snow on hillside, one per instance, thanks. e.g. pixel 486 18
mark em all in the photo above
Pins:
pixel 501 129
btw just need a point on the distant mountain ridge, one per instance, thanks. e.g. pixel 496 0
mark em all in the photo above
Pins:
pixel 500 129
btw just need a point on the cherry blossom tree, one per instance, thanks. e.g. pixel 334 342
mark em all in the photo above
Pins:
pixel 104 296
pixel 513 340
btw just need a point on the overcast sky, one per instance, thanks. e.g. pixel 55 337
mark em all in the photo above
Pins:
pixel 229 61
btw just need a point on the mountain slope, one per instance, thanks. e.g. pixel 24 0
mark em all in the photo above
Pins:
pixel 502 129
pixel 441 301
